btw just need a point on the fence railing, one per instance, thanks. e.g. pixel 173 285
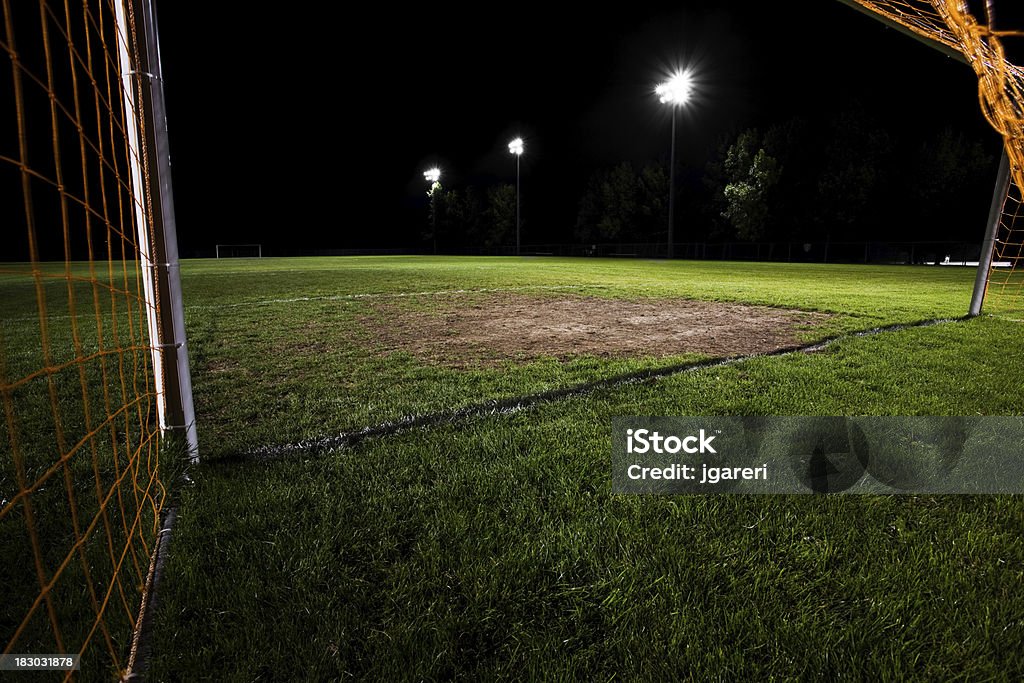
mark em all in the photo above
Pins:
pixel 901 253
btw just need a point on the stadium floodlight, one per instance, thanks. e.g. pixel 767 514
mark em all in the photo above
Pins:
pixel 677 90
pixel 433 176
pixel 675 93
pixel 516 147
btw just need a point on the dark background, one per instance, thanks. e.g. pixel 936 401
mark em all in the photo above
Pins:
pixel 304 128
pixel 292 126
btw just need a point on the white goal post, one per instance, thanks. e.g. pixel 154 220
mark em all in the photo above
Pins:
pixel 239 250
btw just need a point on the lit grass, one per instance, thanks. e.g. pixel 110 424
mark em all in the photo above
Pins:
pixel 280 352
pixel 494 549
pixel 878 292
pixel 88 400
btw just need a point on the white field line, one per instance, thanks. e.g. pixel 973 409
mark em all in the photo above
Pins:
pixel 491 407
pixel 327 297
pixel 391 295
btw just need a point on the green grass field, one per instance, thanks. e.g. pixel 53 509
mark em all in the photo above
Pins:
pixel 491 547
pixel 291 333
pixel 106 492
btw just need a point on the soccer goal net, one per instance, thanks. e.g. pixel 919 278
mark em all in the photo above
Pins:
pixel 90 350
pixel 979 41
pixel 239 251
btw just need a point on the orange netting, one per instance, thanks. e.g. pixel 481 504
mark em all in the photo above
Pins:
pixel 80 481
pixel 1001 92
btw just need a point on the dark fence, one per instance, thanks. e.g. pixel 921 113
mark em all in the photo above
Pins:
pixel 806 252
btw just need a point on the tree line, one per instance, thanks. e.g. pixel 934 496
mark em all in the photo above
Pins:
pixel 483 217
pixel 848 179
pixel 845 178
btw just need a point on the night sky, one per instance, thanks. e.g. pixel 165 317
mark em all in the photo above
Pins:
pixel 259 101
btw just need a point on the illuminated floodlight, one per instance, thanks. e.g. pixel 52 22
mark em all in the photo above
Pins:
pixel 432 175
pixel 677 90
pixel 516 147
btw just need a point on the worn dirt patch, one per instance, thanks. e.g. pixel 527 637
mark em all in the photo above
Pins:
pixel 471 330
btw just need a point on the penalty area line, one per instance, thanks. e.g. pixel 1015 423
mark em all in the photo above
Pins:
pixel 332 443
pixel 392 295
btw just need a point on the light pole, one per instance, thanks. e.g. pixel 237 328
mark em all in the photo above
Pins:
pixel 433 176
pixel 516 147
pixel 674 93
